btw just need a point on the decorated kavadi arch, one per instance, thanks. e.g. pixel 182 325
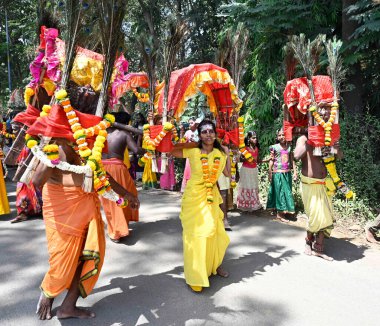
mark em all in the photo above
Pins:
pixel 213 81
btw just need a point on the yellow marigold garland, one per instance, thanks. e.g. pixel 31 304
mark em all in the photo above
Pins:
pixel 242 148
pixel 331 169
pixel 52 152
pixel 29 92
pixel 327 126
pixel 209 177
pixel 233 170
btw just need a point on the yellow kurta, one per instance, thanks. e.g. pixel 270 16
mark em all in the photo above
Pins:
pixel 204 239
pixel 318 205
pixel 4 204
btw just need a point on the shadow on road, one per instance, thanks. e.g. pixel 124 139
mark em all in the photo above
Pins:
pixel 165 299
pixel 343 250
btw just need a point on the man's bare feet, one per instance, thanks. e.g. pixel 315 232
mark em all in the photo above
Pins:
pixel 221 272
pixel 19 218
pixel 74 312
pixel 44 307
pixel 322 255
pixel 372 238
pixel 307 249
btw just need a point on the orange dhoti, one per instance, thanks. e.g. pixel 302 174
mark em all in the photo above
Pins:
pixel 75 234
pixel 117 217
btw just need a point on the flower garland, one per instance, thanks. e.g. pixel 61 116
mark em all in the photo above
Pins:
pixel 209 177
pixel 141 97
pixel 52 153
pixel 5 133
pixel 93 158
pixel 64 166
pixel 331 169
pixel 151 144
pixel 233 170
pixel 45 111
pixel 242 148
pixel 327 126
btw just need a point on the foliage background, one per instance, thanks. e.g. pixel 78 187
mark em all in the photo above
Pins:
pixel 269 23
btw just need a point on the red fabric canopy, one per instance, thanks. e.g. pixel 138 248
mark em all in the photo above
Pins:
pixel 212 80
pixel 297 93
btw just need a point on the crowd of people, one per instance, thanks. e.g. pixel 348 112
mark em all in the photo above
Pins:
pixel 74 226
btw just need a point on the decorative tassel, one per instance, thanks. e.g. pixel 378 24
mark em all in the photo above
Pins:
pixel 317 151
pixel 154 164
pixel 88 182
pixel 28 174
pixel 164 163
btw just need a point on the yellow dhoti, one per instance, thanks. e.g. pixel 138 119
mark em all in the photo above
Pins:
pixel 317 204
pixel 75 233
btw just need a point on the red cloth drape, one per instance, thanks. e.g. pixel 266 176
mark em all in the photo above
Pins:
pixel 166 144
pixel 316 135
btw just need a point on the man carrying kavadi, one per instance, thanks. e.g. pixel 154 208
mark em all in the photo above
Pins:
pixel 74 228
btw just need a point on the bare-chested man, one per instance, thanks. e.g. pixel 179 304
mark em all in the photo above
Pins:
pixel 118 141
pixel 317 202
pixel 75 235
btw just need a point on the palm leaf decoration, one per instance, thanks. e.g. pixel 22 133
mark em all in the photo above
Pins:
pixel 307 54
pixel 233 52
pixel 239 53
pixel 73 25
pixel 111 14
pixel 177 31
pixel 290 62
pixel 149 45
pixel 336 70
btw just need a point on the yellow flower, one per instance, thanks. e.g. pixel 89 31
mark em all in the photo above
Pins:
pixel 99 144
pixel 31 143
pixel 79 133
pixel 92 165
pixel 85 153
pixel 29 91
pixel 61 94
pixel 110 118
pixel 46 108
pixel 240 119
pixel 168 126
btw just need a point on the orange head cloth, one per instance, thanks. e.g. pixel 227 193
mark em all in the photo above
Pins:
pixel 28 117
pixel 56 125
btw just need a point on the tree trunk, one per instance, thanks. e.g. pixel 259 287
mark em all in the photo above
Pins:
pixel 353 99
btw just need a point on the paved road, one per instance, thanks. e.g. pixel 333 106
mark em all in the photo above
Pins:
pixel 271 283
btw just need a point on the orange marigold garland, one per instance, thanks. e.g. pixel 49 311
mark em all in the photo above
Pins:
pixel 242 148
pixel 93 158
pixel 210 177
